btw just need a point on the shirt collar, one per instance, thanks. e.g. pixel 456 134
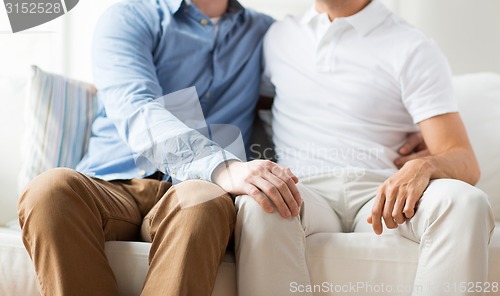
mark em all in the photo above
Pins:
pixel 234 6
pixel 174 5
pixel 309 15
pixel 364 21
pixel 369 17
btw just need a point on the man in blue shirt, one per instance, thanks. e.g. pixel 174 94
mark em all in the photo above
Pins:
pixel 143 50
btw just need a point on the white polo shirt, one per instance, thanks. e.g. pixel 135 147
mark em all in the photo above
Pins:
pixel 348 92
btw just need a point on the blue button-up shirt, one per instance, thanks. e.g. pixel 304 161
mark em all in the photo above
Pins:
pixel 145 49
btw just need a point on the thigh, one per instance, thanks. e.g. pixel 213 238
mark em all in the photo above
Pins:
pixel 316 214
pixel 190 194
pixel 448 202
pixel 124 203
pixel 115 206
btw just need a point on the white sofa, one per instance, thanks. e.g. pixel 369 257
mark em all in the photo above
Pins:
pixel 383 265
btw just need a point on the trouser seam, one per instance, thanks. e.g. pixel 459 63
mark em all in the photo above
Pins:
pixel 121 219
pixel 303 261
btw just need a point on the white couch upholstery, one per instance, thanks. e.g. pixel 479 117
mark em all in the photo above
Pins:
pixel 341 259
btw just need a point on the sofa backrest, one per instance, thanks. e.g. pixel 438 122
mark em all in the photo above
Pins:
pixel 478 97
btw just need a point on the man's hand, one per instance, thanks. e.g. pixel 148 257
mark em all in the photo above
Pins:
pixel 413 148
pixel 397 197
pixel 451 156
pixel 270 184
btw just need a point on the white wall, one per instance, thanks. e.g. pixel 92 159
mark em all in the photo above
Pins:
pixel 468 31
pixel 43 46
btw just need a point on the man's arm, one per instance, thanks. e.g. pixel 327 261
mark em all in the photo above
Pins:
pixel 413 148
pixel 125 75
pixel 451 157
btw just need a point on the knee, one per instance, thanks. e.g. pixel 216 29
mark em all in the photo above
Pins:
pixel 469 199
pixel 207 199
pixel 198 192
pixel 464 200
pixel 252 216
pixel 47 195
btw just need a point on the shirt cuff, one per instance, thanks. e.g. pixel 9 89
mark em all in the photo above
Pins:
pixel 202 168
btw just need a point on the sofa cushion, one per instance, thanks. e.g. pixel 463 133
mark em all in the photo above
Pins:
pixel 478 97
pixel 129 261
pixel 58 117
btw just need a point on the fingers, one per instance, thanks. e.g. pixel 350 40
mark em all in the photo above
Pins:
pixel 393 204
pixel 413 148
pixel 287 172
pixel 400 161
pixel 412 142
pixel 376 216
pixel 284 182
pixel 276 186
pixel 397 211
pixel 274 195
pixel 286 175
pixel 390 200
pixel 397 197
pixel 284 194
pixel 268 184
pixel 411 203
pixel 259 197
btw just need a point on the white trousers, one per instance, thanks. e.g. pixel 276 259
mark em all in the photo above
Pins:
pixel 453 225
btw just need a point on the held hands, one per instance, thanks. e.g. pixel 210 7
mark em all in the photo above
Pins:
pixel 398 196
pixel 270 184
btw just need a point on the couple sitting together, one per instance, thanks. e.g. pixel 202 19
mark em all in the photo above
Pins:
pixel 351 84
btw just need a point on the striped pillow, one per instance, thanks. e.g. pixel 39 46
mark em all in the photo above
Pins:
pixel 58 117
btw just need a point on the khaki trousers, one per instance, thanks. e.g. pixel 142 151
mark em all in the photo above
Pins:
pixel 453 223
pixel 66 217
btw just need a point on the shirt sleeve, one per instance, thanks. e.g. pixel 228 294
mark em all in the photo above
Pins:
pixel 125 74
pixel 426 82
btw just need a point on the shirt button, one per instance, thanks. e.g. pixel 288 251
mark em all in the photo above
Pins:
pixel 185 10
pixel 142 172
pixel 204 22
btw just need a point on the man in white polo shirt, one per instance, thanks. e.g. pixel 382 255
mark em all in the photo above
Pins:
pixel 350 81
